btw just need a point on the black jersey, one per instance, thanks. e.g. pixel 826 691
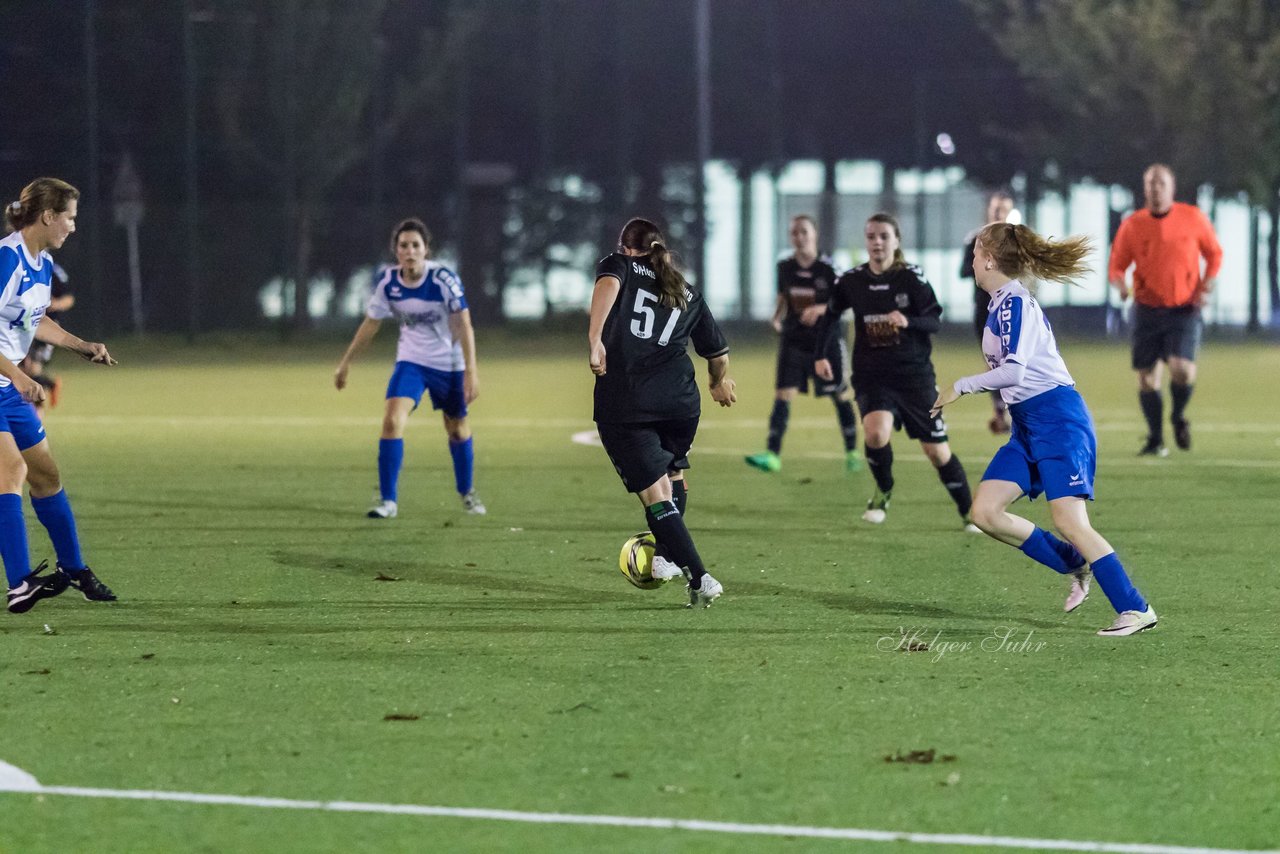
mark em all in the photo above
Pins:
pixel 881 352
pixel 648 374
pixel 801 287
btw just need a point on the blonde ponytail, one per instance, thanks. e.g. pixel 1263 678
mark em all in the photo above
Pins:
pixel 1018 251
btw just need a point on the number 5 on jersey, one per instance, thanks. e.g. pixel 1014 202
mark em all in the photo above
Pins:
pixel 642 326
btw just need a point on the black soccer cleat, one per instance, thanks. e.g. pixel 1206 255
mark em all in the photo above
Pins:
pixel 1182 434
pixel 34 588
pixel 1153 448
pixel 87 583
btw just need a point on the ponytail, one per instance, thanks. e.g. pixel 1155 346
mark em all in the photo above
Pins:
pixel 42 194
pixel 643 236
pixel 671 284
pixel 1018 251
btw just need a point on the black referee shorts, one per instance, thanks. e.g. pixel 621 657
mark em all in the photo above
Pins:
pixel 795 368
pixel 910 408
pixel 642 453
pixel 1159 333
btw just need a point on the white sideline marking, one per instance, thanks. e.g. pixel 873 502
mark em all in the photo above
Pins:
pixel 16 780
pixel 590 437
pixel 216 421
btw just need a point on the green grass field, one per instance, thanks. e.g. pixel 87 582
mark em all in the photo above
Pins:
pixel 221 491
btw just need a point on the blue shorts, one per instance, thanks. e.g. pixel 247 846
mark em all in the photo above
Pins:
pixel 1052 447
pixel 20 418
pixel 445 387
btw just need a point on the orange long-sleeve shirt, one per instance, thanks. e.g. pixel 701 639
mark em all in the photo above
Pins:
pixel 1166 252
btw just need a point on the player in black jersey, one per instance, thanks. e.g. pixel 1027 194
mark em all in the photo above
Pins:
pixel 999 206
pixel 804 285
pixel 643 315
pixel 895 312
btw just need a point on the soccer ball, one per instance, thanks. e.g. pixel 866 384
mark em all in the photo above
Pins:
pixel 636 561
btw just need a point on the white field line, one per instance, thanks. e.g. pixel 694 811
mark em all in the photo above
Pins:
pixel 709 424
pixel 589 437
pixel 223 422
pixel 18 781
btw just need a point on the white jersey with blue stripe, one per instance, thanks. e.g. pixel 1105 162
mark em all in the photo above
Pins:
pixel 1018 332
pixel 26 282
pixel 422 310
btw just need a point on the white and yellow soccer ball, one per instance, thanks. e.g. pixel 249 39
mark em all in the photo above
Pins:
pixel 636 561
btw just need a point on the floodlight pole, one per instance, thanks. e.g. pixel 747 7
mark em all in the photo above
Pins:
pixel 95 193
pixel 702 52
pixel 192 182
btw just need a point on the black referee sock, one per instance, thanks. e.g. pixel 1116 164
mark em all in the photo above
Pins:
pixel 778 424
pixel 673 538
pixel 1152 410
pixel 848 423
pixel 680 495
pixel 880 461
pixel 957 483
pixel 1179 394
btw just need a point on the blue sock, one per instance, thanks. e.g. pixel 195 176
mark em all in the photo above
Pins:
pixel 13 539
pixel 1047 549
pixel 54 513
pixel 463 463
pixel 390 458
pixel 1115 582
pixel 1070 554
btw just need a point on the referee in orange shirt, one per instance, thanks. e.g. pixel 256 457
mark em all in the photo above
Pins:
pixel 1165 243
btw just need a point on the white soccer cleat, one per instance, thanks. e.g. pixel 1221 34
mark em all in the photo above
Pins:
pixel 382 510
pixel 969 527
pixel 707 591
pixel 877 508
pixel 473 505
pixel 665 570
pixel 1130 623
pixel 1079 591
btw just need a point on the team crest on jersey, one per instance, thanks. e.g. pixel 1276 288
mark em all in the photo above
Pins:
pixel 903 300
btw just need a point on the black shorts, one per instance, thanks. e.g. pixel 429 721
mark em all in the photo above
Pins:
pixel 795 368
pixel 910 408
pixel 1159 333
pixel 643 452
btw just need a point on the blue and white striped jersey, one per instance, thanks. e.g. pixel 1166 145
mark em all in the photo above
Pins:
pixel 26 283
pixel 422 311
pixel 1018 334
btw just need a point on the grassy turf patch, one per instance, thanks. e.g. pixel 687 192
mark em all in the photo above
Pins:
pixel 221 490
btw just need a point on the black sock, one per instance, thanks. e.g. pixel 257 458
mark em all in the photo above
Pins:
pixel 778 424
pixel 680 495
pixel 880 460
pixel 957 483
pixel 673 538
pixel 1179 394
pixel 848 423
pixel 1152 410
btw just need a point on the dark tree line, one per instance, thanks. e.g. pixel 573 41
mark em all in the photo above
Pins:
pixel 514 127
pixel 1118 85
